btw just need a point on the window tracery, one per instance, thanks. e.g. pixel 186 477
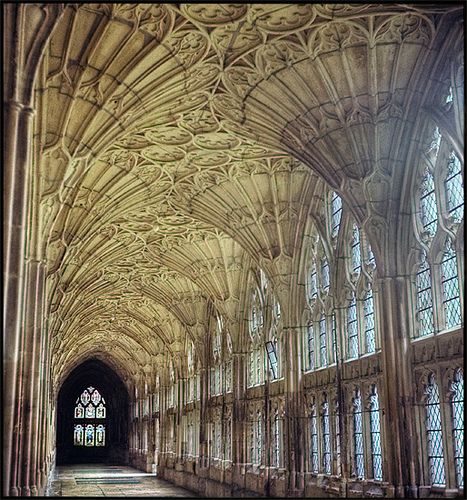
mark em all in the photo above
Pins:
pixel 438 215
pixel 90 405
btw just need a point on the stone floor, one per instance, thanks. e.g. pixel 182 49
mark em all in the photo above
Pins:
pixel 95 480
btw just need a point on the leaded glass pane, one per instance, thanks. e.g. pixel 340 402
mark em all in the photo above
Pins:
pixel 370 255
pixel 313 283
pixel 277 437
pixel 100 435
pixel 259 438
pixel 322 342
pixel 78 435
pixel 89 435
pixel 96 397
pixel 90 411
pixel 85 397
pixel 311 347
pixel 449 279
pixel 369 321
pixel 424 312
pixel 334 337
pixel 79 411
pixel 352 330
pixel 326 439
pixel 454 191
pixel 375 435
pixel 325 274
pixel 336 213
pixel 314 463
pixel 359 465
pixel 429 210
pixel 457 403
pixel 338 438
pixel 355 250
pixel 434 434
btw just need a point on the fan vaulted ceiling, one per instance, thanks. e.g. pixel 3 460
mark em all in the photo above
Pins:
pixel 184 144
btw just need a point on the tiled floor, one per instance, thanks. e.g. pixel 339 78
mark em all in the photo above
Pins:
pixel 112 481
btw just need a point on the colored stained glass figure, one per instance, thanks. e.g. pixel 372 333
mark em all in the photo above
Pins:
pixel 96 397
pixel 79 411
pixel 100 435
pixel 85 397
pixel 100 411
pixel 79 433
pixel 89 435
pixel 90 411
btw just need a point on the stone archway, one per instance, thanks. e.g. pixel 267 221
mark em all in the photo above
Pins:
pixel 97 374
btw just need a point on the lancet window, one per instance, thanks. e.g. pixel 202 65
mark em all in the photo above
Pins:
pixel 361 319
pixel 89 415
pixel 457 408
pixel 358 450
pixel 437 213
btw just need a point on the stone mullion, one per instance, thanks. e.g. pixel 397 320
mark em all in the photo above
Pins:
pixel 399 443
pixel 293 429
pixel 238 412
pixel 203 439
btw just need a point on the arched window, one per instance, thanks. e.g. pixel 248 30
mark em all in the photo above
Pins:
pixel 453 187
pixel 311 347
pixel 450 283
pixel 369 321
pixel 375 435
pixel 352 329
pixel 428 208
pixel 424 307
pixel 277 439
pixel 457 406
pixel 338 436
pixel 336 213
pixel 359 461
pixel 89 410
pixel 314 461
pixel 326 459
pixel 434 433
pixel 355 250
pixel 323 352
pixel 436 220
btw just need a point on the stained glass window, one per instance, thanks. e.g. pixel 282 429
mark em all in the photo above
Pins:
pixel 89 406
pixel 375 436
pixel 449 279
pixel 314 463
pixel 355 250
pixel 311 347
pixel 322 341
pixel 434 433
pixel 358 463
pixel 424 312
pixel 336 213
pixel 326 438
pixel 429 210
pixel 369 321
pixel 325 274
pixel 352 329
pixel 457 406
pixel 453 187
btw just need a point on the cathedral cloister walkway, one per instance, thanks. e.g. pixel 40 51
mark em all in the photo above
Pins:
pixel 93 480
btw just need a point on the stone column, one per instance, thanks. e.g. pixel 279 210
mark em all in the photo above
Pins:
pixel 400 440
pixel 238 412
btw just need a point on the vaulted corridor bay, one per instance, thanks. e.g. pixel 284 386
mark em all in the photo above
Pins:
pixel 95 480
pixel 234 249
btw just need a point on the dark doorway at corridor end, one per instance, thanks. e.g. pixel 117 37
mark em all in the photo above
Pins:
pixel 92 425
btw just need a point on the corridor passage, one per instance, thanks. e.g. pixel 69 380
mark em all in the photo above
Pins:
pixel 92 480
